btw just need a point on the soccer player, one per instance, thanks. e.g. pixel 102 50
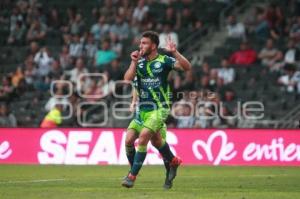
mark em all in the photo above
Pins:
pixel 133 131
pixel 152 70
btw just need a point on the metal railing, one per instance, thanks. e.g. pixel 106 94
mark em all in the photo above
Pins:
pixel 290 120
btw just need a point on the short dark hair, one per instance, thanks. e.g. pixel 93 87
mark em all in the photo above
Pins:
pixel 153 36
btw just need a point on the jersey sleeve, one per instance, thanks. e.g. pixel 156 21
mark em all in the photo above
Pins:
pixel 170 62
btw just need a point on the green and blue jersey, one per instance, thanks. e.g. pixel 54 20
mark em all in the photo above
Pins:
pixel 152 82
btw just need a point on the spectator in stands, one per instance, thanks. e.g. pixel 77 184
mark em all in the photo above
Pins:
pixel 43 60
pixel 65 58
pixel 183 111
pixel 30 71
pixel 187 18
pixel 114 71
pixel 214 81
pixel 53 118
pixel 67 39
pixel 109 10
pixel 245 56
pixel 204 111
pixel 275 19
pixel 17 76
pixel 187 83
pixel 59 97
pixel 15 18
pixel 74 100
pixel 7 119
pixel 37 31
pixel 290 81
pixel 140 12
pixel 167 32
pixel 120 28
pixel 226 73
pixel 96 89
pixel 205 83
pixel 271 56
pixel 56 71
pixel 77 25
pixel 33 48
pixel 54 20
pixel 295 30
pixel 203 70
pixel 100 29
pixel 262 30
pixel 6 89
pixel 125 9
pixel 105 55
pixel 22 88
pixel 90 49
pixel 76 47
pixel 17 36
pixel 116 45
pixel 291 54
pixel 77 71
pixel 251 19
pixel 227 119
pixel 235 29
pixel 172 17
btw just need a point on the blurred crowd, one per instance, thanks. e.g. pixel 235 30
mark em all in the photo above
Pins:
pixel 101 44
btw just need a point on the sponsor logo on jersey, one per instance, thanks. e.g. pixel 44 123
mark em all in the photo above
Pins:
pixel 150 82
pixel 157 65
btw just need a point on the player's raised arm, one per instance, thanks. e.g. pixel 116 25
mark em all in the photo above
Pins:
pixel 181 62
pixel 130 73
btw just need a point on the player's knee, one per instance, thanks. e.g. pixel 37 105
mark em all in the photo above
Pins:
pixel 156 143
pixel 130 138
pixel 143 140
pixel 129 141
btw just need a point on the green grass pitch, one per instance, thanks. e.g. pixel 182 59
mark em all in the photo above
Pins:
pixel 34 182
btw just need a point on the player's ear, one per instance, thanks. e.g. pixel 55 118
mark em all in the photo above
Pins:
pixel 153 46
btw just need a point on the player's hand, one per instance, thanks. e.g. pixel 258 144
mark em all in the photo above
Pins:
pixel 170 45
pixel 135 55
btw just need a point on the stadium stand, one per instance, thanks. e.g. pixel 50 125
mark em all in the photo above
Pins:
pixel 44 41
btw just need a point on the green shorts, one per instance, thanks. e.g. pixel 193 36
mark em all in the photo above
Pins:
pixel 153 120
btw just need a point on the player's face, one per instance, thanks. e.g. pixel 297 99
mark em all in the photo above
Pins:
pixel 146 46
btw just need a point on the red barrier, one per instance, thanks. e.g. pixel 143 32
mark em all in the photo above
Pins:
pixel 194 146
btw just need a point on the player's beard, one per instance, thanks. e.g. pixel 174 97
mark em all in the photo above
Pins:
pixel 145 52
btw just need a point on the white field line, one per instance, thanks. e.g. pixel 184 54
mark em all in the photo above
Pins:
pixel 113 179
pixel 31 181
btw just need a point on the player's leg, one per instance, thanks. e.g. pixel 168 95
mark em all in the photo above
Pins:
pixel 151 125
pixel 164 149
pixel 131 135
pixel 155 142
pixel 139 157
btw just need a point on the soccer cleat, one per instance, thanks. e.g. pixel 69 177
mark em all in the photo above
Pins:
pixel 174 164
pixel 168 183
pixel 128 181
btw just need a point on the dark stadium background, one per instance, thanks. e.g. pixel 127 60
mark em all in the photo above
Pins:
pixel 41 42
pixel 235 116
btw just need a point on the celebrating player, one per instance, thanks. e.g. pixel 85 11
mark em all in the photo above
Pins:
pixel 152 70
pixel 133 132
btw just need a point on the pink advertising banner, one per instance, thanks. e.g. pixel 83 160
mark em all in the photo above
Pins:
pixel 106 146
